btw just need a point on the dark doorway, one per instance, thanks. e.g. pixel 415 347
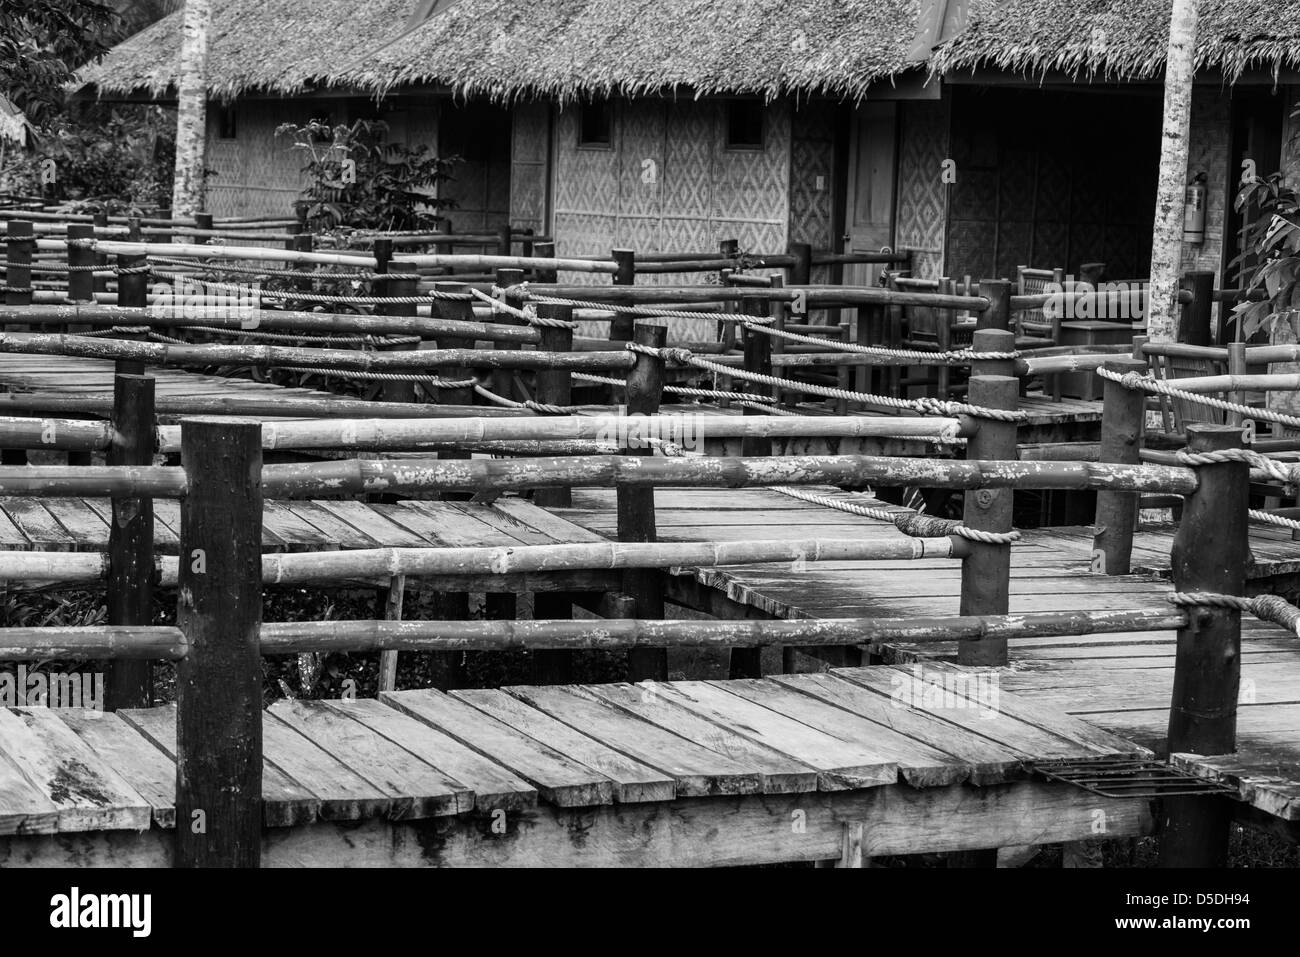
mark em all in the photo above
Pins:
pixel 480 184
pixel 1052 179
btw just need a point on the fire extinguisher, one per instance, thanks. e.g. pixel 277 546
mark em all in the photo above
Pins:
pixel 1194 211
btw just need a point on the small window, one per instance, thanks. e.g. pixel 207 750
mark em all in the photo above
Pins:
pixel 744 125
pixel 595 125
pixel 226 129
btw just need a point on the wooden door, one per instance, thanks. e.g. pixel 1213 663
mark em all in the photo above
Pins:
pixel 869 216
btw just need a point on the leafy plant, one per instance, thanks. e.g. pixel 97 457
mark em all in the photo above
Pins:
pixel 357 180
pixel 42 42
pixel 1271 260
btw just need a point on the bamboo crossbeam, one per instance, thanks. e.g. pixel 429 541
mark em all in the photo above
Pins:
pixel 1276 382
pixel 280 638
pixel 356 476
pixel 813 295
pixel 512 262
pixel 254 406
pixel 294 569
pixel 211 354
pixel 624 431
pixel 162 642
pixel 115 247
pixel 92 481
pixel 270 320
pixel 68 435
pixel 1046 365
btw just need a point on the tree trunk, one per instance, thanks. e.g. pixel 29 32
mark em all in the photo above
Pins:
pixel 1167 241
pixel 191 112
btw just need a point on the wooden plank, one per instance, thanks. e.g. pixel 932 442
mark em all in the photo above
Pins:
pixel 451 526
pixel 82 523
pixel 544 521
pixel 366 519
pixel 11 537
pixel 89 795
pixel 780 774
pixel 840 763
pixel 332 527
pixel 558 779
pixel 502 522
pixel 696 770
pixel 634 782
pixel 294 529
pixel 415 788
pixel 41 528
pixel 344 795
pixel 151 772
pixel 23 808
pixel 964 731
pixel 919 764
pixel 492 787
pixel 285 803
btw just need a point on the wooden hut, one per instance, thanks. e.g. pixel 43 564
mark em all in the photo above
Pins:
pixel 1029 139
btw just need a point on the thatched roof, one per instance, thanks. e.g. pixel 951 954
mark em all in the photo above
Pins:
pixel 569 48
pixel 576 48
pixel 1121 39
pixel 275 46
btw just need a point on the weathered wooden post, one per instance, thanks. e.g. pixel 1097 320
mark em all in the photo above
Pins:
pixel 503 379
pixel 1209 555
pixel 621 327
pixel 943 320
pixel 19 247
pixel 461 310
pixel 986 571
pixel 81 262
pixel 1121 442
pixel 1236 366
pixel 545 250
pixel 1194 329
pixel 219 682
pixel 133 291
pixel 801 272
pixel 399 390
pixel 505 239
pixel 130 539
pixel 554 386
pixel 636 505
pixel 101 259
pixel 998 313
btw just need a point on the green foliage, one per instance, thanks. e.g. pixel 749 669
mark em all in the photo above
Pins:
pixel 43 42
pixel 1271 261
pixel 110 158
pixel 357 180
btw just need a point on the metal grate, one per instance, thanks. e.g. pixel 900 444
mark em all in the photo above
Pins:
pixel 1130 778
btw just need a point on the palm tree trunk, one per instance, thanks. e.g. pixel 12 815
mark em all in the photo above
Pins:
pixel 1167 242
pixel 192 109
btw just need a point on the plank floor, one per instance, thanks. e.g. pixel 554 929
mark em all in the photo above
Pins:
pixel 1120 682
pixel 424 754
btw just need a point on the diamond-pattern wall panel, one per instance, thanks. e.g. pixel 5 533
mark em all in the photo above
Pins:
pixel 641 176
pixel 812 155
pixel 530 136
pixel 922 206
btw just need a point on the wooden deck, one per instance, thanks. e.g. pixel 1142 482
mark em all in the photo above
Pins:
pixel 1121 682
pixel 670 773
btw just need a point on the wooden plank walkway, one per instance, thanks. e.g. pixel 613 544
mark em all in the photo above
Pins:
pixel 511 754
pixel 1121 682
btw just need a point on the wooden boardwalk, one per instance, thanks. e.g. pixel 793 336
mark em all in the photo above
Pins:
pixel 676 772
pixel 1121 682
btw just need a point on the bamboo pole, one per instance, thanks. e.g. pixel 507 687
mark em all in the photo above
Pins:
pixel 252 406
pixel 464 261
pixel 368 636
pixel 814 295
pixel 199 251
pixel 167 354
pixel 69 435
pixel 1122 425
pixel 107 642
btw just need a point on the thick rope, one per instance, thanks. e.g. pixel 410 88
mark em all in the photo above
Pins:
pixel 743 397
pixel 1264 607
pixel 435 381
pixel 1132 380
pixel 952 357
pixel 527 314
pixel 363 275
pixel 907 521
pixel 922 406
pixel 1268 518
pixel 1280 471
pixel 542 407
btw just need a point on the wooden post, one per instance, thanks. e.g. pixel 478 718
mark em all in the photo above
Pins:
pixel 304 243
pixel 19 254
pixel 393 600
pixel 219 682
pixel 620 329
pixel 133 291
pixel 1236 366
pixel 202 221
pixel 998 314
pixel 1209 555
pixel 545 251
pixel 505 238
pixel 986 571
pixel 1194 329
pixel 101 259
pixel 552 666
pixel 943 320
pixel 462 310
pixel 554 387
pixel 130 539
pixel 801 272
pixel 503 379
pixel 1121 441
pixel 636 506
pixel 81 281
pixel 398 391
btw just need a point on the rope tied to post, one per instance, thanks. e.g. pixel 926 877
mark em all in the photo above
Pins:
pixel 1146 383
pixel 528 314
pixel 1264 607
pixel 922 406
pixel 908 521
pixel 949 357
pixel 1281 471
pixel 646 311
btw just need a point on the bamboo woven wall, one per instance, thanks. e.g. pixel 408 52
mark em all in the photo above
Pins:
pixel 921 212
pixel 257 173
pixel 812 178
pixel 1208 150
